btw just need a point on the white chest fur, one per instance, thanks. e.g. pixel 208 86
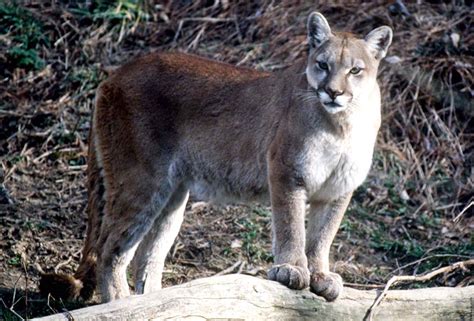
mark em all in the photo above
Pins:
pixel 332 166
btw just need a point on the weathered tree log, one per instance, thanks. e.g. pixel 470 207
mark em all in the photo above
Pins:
pixel 251 298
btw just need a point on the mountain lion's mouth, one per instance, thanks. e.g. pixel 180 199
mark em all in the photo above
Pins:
pixel 333 108
pixel 332 104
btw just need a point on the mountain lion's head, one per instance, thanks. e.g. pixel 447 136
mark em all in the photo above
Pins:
pixel 342 68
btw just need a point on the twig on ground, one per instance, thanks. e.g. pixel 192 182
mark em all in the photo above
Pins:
pixel 49 305
pixel 14 302
pixel 14 293
pixel 427 258
pixel 38 268
pixel 61 264
pixel 193 45
pixel 367 286
pixel 25 271
pixel 416 278
pixel 230 268
pixel 463 211
pixel 241 267
pixel 11 309
pixel 66 312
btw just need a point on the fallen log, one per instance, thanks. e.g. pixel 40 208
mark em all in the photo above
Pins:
pixel 249 298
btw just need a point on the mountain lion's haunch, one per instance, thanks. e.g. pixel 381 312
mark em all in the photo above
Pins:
pixel 169 124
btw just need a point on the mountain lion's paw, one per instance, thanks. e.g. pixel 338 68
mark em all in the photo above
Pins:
pixel 327 285
pixel 294 277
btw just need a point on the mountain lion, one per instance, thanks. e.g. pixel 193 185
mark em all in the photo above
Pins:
pixel 170 123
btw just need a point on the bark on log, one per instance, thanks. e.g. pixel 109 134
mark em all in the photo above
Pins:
pixel 244 297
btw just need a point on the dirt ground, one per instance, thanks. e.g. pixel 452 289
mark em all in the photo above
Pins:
pixel 412 214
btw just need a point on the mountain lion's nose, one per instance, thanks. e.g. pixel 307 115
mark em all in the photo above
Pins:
pixel 333 93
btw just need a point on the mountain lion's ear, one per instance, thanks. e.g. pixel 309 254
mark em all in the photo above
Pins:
pixel 379 40
pixel 318 29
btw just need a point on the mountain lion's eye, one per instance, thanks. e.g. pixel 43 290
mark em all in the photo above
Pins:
pixel 323 65
pixel 355 70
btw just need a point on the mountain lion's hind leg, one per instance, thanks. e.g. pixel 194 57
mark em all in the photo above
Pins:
pixel 150 257
pixel 323 223
pixel 130 211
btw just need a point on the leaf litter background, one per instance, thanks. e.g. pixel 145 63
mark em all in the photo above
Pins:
pixel 412 214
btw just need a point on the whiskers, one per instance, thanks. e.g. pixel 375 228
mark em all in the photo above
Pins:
pixel 307 95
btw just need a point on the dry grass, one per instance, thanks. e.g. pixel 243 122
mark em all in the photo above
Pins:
pixel 52 57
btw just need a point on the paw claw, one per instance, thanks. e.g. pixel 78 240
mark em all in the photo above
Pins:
pixel 327 285
pixel 294 277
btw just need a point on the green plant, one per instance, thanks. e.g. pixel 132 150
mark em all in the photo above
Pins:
pixel 121 10
pixel 25 58
pixel 15 261
pixel 252 240
pixel 261 211
pixel 126 14
pixel 35 225
pixel 66 137
pixel 88 78
pixel 26 35
pixel 15 159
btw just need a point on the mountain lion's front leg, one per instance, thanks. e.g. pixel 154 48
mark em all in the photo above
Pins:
pixel 290 264
pixel 323 223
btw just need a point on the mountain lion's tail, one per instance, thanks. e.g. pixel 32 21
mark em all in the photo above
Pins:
pixel 83 282
pixel 68 287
